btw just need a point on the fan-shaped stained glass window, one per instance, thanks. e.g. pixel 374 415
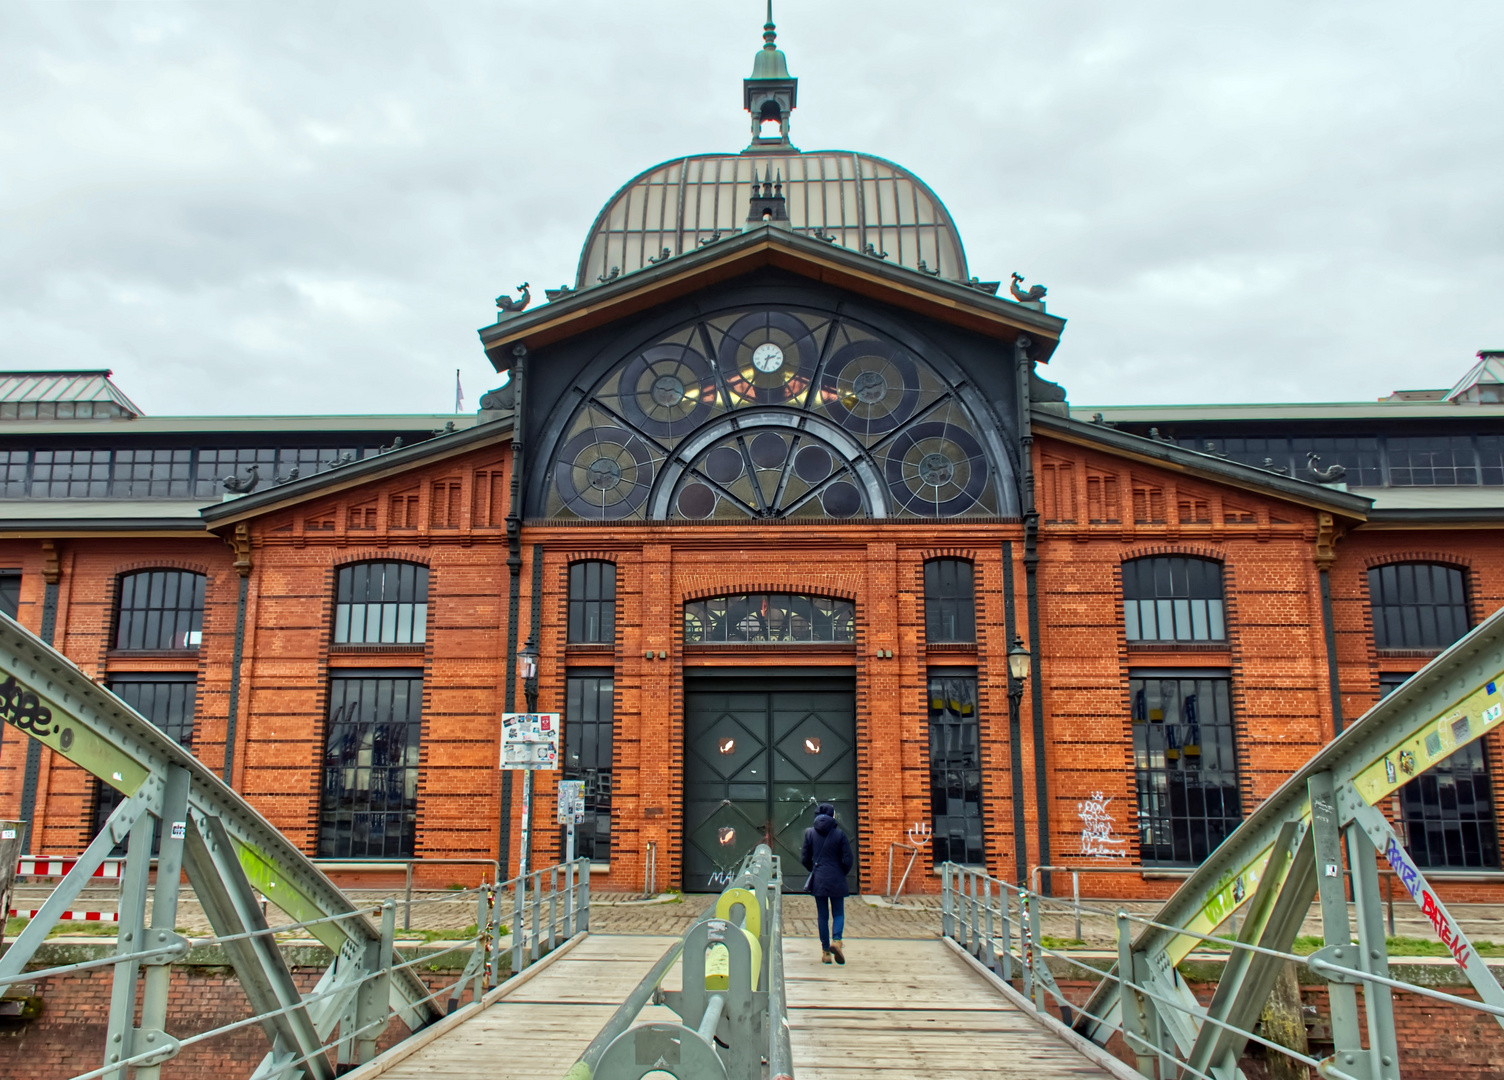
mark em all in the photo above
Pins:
pixel 769 619
pixel 772 413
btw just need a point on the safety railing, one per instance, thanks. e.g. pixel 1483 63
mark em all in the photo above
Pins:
pixel 33 867
pixel 1386 875
pixel 549 906
pixel 408 868
pixel 999 924
pixel 731 1002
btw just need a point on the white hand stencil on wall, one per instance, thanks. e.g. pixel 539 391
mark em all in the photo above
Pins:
pixel 1096 829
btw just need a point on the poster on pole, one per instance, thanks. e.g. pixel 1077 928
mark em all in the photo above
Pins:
pixel 571 802
pixel 530 741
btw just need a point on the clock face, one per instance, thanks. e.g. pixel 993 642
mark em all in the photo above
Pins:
pixel 767 357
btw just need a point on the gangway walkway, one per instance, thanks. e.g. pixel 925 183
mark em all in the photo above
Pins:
pixel 912 1008
pixel 899 1008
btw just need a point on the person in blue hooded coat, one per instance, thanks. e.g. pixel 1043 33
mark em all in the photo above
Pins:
pixel 827 856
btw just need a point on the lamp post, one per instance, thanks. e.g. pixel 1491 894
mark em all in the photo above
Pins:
pixel 527 667
pixel 1018 672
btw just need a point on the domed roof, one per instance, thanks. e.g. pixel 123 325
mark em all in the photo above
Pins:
pixel 855 198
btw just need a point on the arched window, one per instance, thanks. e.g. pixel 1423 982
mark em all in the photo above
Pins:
pixel 160 609
pixel 381 603
pixel 1173 598
pixel 1417 605
pixel 592 603
pixel 769 619
pixel 949 601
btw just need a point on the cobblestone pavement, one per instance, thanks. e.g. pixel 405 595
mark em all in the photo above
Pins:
pixel 914 917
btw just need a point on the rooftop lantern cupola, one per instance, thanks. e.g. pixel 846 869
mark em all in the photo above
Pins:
pixel 770 94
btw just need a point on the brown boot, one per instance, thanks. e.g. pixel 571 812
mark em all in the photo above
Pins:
pixel 825 958
pixel 835 950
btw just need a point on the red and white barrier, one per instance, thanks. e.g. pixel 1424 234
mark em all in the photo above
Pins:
pixel 44 866
pixel 72 916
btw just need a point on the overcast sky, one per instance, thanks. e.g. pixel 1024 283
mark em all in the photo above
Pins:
pixel 271 208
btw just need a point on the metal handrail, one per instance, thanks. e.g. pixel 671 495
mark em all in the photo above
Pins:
pixel 780 1056
pixel 1388 876
pixel 563 921
pixel 705 1012
pixel 378 866
pixel 982 925
pixel 913 851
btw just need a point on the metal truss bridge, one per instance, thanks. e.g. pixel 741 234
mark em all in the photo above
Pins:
pixel 731 999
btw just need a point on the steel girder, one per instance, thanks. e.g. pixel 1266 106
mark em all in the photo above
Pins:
pixel 1273 863
pixel 229 851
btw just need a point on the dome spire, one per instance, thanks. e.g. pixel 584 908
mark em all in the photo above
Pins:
pixel 770 94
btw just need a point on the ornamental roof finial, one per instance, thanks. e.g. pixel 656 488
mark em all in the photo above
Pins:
pixel 771 93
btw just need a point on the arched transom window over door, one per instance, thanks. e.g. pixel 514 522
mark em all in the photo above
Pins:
pixel 774 413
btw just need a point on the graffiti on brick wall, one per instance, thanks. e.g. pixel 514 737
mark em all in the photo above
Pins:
pixel 1097 840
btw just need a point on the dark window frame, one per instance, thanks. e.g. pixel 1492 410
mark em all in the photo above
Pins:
pixel 346 818
pixel 589 747
pixel 950 601
pixel 764 619
pixel 592 602
pixel 1371 459
pixel 157 709
pixel 161 471
pixel 10 593
pixel 1180 822
pixel 1447 812
pixel 954 756
pixel 143 620
pixel 1404 608
pixel 392 605
pixel 1187 592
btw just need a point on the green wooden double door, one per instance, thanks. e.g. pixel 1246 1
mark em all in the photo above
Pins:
pixel 759 755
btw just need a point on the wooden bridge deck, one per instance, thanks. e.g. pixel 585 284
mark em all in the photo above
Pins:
pixel 907 1008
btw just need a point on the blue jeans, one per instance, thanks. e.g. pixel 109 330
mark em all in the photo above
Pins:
pixel 824 907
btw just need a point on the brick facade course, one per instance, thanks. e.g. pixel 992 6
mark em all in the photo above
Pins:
pixel 1097 510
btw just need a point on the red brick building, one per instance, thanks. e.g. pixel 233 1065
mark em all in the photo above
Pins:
pixel 774 489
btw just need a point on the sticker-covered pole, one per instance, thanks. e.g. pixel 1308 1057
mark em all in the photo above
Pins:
pixel 527 667
pixel 527 820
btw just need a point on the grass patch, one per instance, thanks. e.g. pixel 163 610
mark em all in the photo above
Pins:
pixel 1407 946
pixel 14 926
pixel 88 929
pixel 1061 942
pixel 444 935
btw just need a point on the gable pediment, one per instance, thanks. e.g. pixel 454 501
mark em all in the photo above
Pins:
pixel 953 302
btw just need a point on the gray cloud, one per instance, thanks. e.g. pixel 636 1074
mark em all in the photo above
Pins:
pixel 276 207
